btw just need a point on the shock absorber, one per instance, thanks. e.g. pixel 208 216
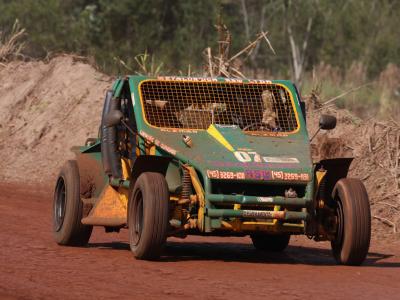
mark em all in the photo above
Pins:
pixel 322 190
pixel 186 187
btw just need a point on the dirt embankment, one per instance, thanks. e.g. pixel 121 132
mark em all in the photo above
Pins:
pixel 45 108
pixel 375 145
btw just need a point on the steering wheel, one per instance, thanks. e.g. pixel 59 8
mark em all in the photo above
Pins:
pixel 262 125
pixel 237 120
pixel 259 124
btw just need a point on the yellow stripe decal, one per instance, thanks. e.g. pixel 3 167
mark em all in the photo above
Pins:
pixel 213 131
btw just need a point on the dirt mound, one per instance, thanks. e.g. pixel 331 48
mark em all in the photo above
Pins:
pixel 45 108
pixel 375 148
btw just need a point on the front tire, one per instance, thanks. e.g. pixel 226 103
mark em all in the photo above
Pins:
pixel 68 208
pixel 351 244
pixel 270 242
pixel 148 216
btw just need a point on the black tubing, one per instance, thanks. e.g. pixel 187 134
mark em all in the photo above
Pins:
pixel 111 157
pixel 104 136
pixel 113 152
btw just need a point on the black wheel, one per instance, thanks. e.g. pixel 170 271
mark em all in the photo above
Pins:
pixel 68 208
pixel 148 215
pixel 351 244
pixel 270 242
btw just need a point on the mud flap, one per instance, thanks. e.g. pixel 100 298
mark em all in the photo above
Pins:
pixel 110 209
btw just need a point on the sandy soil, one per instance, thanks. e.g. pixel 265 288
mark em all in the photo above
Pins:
pixel 32 266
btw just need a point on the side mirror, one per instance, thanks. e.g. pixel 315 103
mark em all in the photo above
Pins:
pixel 327 122
pixel 113 118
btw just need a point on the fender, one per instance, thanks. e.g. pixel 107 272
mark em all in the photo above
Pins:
pixel 149 163
pixel 337 168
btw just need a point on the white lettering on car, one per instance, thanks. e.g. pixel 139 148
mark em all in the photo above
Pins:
pixel 244 157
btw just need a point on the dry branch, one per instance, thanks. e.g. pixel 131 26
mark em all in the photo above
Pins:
pixel 397 159
pixel 11 45
pixel 386 222
pixel 324 107
pixel 387 196
pixel 346 93
pixel 248 48
pixel 210 64
pixel 387 204
pixel 268 42
pixel 222 64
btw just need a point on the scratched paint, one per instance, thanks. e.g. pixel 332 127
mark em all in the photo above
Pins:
pixel 157 142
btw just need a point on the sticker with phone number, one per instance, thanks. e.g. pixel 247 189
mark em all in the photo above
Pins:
pixel 258 175
pixel 216 174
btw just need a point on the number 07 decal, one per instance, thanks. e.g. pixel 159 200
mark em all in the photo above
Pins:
pixel 246 157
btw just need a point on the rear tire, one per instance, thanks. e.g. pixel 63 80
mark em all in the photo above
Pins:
pixel 270 242
pixel 68 208
pixel 148 216
pixel 351 244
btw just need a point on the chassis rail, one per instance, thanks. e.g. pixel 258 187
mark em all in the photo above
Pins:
pixel 259 214
pixel 240 199
pixel 271 202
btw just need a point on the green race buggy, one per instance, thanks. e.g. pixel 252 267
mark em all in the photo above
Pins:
pixel 180 156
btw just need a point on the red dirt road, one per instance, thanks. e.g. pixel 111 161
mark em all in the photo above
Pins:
pixel 32 266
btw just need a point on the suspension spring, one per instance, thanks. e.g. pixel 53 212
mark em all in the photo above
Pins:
pixel 186 187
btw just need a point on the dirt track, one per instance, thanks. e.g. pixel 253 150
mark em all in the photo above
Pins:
pixel 32 266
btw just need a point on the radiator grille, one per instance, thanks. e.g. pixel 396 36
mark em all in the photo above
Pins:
pixel 254 107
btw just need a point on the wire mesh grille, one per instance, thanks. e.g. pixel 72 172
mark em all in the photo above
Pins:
pixel 254 107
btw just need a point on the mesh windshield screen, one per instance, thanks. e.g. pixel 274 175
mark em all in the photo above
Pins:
pixel 253 107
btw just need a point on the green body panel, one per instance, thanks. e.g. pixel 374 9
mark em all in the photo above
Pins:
pixel 117 87
pixel 208 154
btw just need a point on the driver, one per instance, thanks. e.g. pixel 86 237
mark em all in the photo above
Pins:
pixel 269 115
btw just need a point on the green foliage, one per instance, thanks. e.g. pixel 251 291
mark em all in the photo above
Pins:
pixel 177 31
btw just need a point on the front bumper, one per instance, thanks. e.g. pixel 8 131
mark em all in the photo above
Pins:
pixel 254 213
